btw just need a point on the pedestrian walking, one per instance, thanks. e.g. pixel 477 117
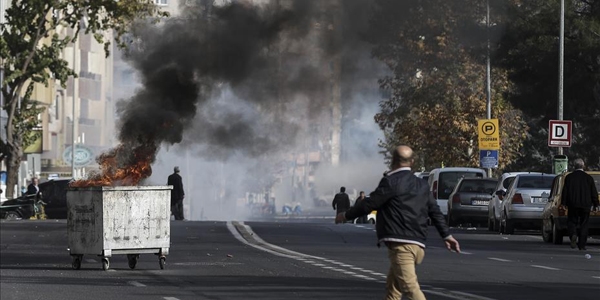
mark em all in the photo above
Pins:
pixel 361 197
pixel 177 194
pixel 404 204
pixel 579 194
pixel 341 201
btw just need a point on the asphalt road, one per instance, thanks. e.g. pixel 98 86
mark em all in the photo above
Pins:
pixel 279 259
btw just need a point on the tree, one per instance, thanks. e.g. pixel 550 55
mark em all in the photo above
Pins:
pixel 528 50
pixel 30 48
pixel 436 51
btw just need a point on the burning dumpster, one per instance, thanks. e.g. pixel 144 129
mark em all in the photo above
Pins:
pixel 129 220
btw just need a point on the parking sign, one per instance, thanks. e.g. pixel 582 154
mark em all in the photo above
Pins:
pixel 559 133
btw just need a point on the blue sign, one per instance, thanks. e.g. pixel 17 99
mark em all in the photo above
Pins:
pixel 488 158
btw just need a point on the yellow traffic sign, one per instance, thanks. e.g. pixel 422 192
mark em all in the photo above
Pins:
pixel 489 134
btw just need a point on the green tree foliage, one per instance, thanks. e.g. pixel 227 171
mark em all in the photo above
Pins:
pixel 436 50
pixel 31 47
pixel 529 51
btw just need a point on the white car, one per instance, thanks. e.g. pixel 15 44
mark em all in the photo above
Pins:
pixel 524 202
pixel 442 182
pixel 495 205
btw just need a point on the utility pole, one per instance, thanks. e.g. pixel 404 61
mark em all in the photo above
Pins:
pixel 561 63
pixel 73 133
pixel 488 84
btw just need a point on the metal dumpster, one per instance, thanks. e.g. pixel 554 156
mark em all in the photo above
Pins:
pixel 127 220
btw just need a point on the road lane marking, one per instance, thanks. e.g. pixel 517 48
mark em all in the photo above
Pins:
pixel 466 253
pixel 443 294
pixel 240 238
pixel 546 268
pixel 500 259
pixel 597 277
pixel 91 260
pixel 170 298
pixel 135 283
pixel 260 244
pixel 467 296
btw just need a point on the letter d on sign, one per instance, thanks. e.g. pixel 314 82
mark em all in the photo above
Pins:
pixel 559 131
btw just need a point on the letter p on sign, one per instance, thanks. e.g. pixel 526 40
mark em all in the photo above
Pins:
pixel 559 133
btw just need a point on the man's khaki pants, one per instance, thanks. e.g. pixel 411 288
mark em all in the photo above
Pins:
pixel 402 278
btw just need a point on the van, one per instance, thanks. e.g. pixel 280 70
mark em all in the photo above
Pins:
pixel 442 182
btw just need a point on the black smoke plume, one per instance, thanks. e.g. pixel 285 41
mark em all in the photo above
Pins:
pixel 271 62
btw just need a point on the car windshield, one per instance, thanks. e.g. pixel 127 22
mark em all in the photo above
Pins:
pixel 597 181
pixel 449 180
pixel 535 182
pixel 477 186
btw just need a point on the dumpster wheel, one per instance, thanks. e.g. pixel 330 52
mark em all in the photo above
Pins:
pixel 105 263
pixel 161 262
pixel 132 259
pixel 76 262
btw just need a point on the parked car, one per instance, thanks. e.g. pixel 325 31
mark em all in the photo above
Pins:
pixel 495 205
pixel 18 208
pixel 442 182
pixel 54 194
pixel 422 175
pixel 524 202
pixel 469 201
pixel 554 217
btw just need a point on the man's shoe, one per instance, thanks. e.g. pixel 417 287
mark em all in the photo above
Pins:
pixel 573 242
pixel 582 248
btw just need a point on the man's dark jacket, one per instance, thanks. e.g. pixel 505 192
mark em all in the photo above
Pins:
pixel 31 190
pixel 341 202
pixel 403 203
pixel 579 191
pixel 177 191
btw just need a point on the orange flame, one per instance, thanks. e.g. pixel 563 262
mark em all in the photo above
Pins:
pixel 121 166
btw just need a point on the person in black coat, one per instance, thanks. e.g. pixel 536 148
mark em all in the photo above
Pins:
pixel 341 201
pixel 177 194
pixel 33 188
pixel 579 194
pixel 361 197
pixel 404 205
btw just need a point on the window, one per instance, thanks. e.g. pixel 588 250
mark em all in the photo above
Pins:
pixel 161 2
pixel 536 182
pixel 449 180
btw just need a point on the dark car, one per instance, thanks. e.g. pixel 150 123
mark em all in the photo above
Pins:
pixel 18 208
pixel 54 194
pixel 468 203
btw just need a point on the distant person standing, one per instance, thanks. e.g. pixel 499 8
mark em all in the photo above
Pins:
pixel 33 188
pixel 361 197
pixel 341 201
pixel 177 194
pixel 579 194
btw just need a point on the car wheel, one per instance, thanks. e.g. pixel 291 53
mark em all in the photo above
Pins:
pixel 451 222
pixel 509 226
pixel 546 233
pixel 557 237
pixel 496 224
pixel 12 215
